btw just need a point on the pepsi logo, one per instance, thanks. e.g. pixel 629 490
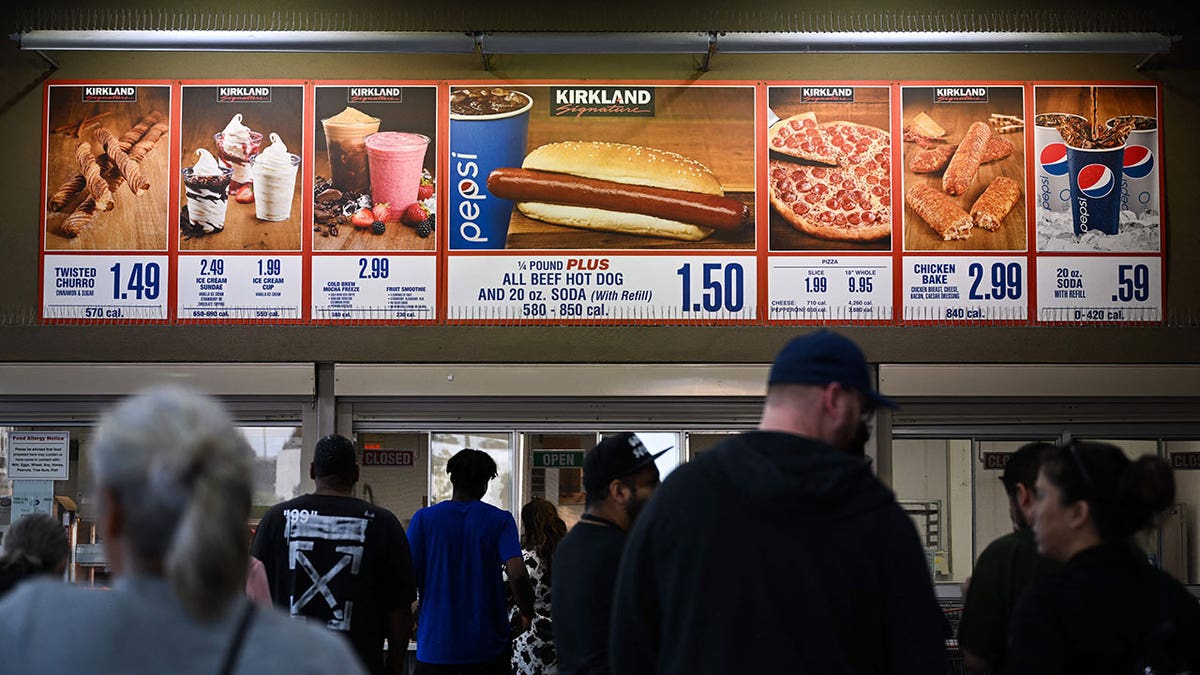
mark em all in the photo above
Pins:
pixel 1139 161
pixel 1053 159
pixel 1096 180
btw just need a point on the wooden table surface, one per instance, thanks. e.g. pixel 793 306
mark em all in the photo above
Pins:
pixel 201 118
pixel 136 223
pixel 712 125
pixel 870 107
pixel 956 118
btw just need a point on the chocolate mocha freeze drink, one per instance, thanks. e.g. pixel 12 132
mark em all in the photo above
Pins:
pixel 345 135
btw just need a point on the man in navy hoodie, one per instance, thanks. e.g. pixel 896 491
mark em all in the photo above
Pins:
pixel 779 551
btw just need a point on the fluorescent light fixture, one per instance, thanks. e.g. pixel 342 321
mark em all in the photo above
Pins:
pixel 432 42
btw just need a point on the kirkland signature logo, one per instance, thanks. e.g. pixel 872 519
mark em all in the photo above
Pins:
pixel 943 94
pixel 243 94
pixel 602 102
pixel 382 94
pixel 827 94
pixel 92 94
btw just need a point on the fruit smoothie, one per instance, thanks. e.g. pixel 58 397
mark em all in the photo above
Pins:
pixel 207 187
pixel 396 159
pixel 344 134
pixel 235 146
pixel 274 173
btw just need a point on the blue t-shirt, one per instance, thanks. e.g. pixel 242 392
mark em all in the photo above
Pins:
pixel 458 552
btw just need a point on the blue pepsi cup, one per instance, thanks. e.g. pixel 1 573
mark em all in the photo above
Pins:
pixel 1094 175
pixel 488 131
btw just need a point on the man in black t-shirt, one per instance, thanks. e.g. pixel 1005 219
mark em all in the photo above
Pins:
pixel 1003 570
pixel 619 476
pixel 333 558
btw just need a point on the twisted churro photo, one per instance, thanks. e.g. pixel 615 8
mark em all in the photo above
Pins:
pixel 106 168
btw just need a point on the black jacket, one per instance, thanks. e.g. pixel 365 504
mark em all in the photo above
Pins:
pixel 1101 614
pixel 774 553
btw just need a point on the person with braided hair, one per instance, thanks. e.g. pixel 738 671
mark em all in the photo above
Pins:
pixel 1108 610
pixel 174 480
pixel 542 529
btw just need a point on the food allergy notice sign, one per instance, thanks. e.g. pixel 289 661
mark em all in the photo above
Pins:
pixel 39 455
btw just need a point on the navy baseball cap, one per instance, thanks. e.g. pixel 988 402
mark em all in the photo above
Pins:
pixel 616 456
pixel 823 357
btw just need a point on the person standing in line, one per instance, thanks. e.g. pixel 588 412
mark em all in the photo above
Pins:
pixel 542 529
pixel 1108 610
pixel 173 483
pixel 1004 569
pixel 338 560
pixel 830 573
pixel 34 545
pixel 619 476
pixel 460 549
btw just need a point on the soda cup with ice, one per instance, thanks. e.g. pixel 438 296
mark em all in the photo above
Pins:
pixel 1052 192
pixel 1094 175
pixel 1139 175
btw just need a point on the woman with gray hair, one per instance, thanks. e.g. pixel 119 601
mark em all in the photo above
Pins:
pixel 173 482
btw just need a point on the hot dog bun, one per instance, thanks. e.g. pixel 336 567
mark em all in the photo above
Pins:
pixel 620 163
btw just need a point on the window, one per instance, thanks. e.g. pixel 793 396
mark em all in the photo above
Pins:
pixel 444 445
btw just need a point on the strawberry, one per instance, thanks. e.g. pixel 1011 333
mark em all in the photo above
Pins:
pixel 244 195
pixel 381 211
pixel 424 191
pixel 414 214
pixel 363 218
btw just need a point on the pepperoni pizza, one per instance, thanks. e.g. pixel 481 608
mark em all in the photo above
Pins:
pixel 843 189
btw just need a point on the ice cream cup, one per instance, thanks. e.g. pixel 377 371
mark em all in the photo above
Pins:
pixel 236 155
pixel 207 198
pixel 274 185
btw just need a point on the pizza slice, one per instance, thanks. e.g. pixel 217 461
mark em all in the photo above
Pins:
pixel 836 203
pixel 800 136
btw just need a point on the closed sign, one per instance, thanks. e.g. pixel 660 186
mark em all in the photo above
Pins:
pixel 381 457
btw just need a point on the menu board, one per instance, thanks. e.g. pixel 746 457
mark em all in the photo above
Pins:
pixel 593 202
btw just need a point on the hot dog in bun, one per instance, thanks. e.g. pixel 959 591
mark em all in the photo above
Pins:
pixel 615 187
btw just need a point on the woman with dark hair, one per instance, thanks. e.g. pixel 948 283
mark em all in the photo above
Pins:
pixel 1108 610
pixel 35 544
pixel 542 529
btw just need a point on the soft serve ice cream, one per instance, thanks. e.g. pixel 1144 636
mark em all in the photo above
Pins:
pixel 235 145
pixel 274 173
pixel 207 187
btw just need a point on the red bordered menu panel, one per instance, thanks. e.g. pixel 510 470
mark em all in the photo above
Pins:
pixel 602 202
pixel 106 177
pixel 241 219
pixel 375 201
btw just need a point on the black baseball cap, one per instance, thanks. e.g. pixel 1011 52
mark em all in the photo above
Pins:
pixel 616 456
pixel 822 358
